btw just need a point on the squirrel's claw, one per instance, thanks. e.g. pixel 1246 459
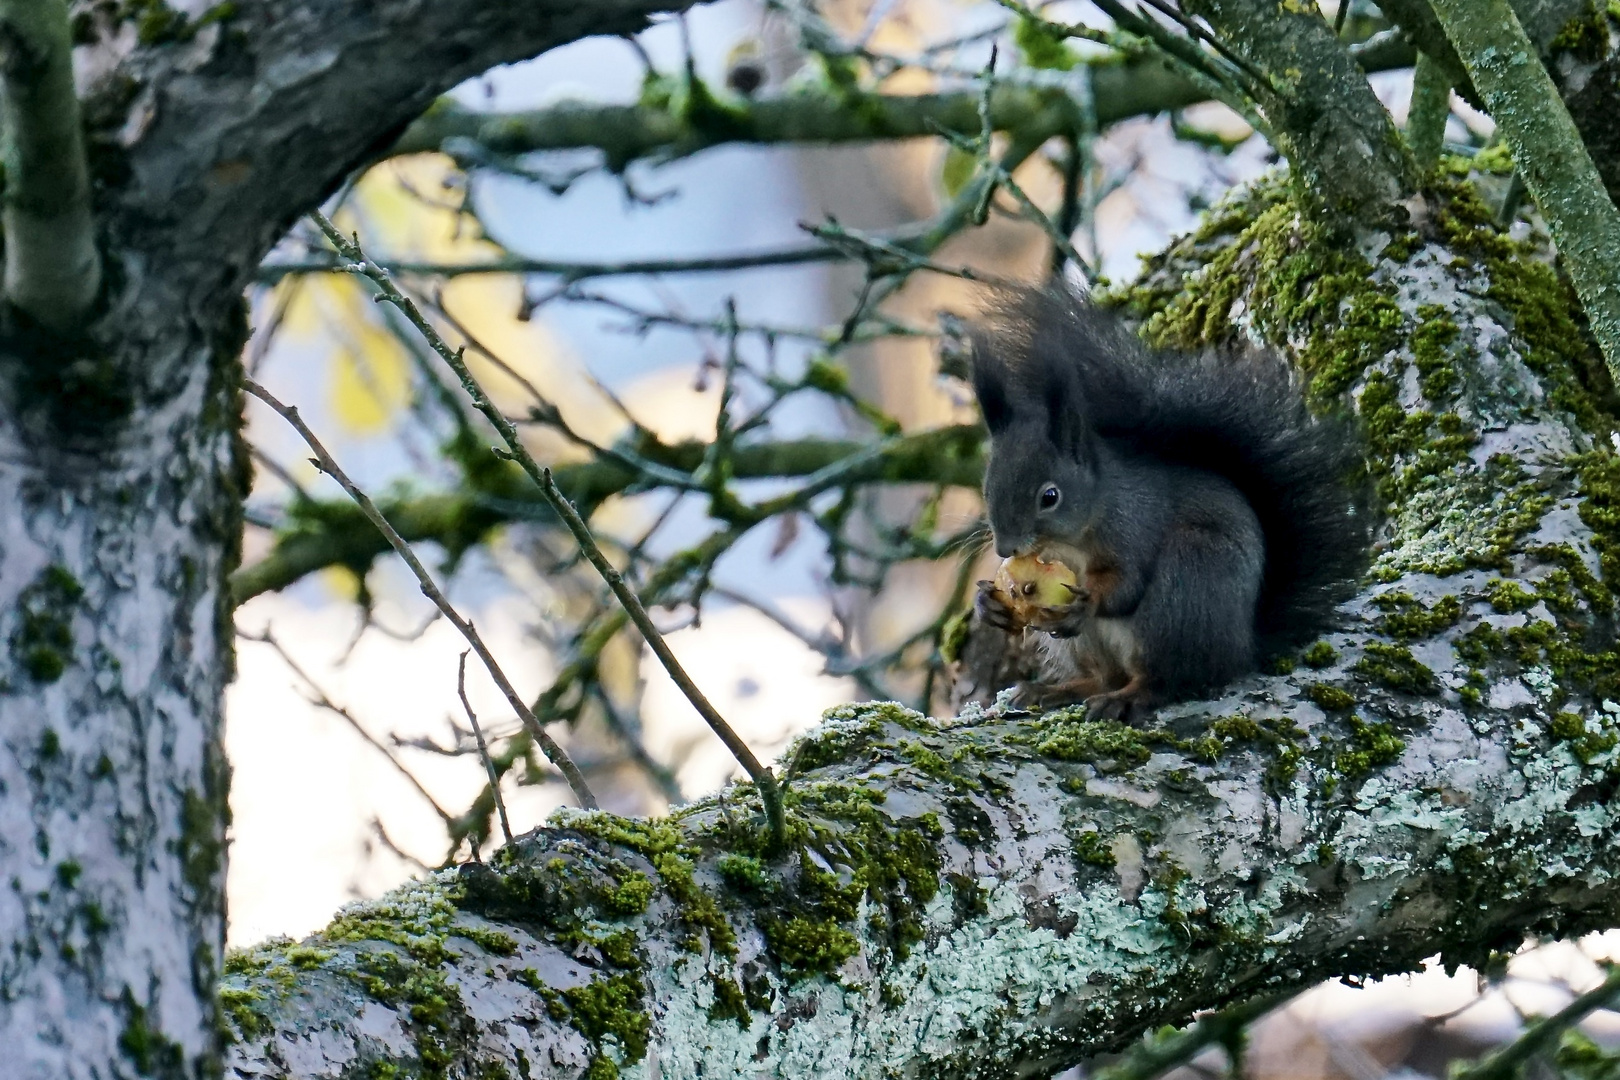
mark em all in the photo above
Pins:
pixel 1068 620
pixel 994 610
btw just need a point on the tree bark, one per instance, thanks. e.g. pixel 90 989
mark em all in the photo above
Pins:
pixel 123 477
pixel 1008 894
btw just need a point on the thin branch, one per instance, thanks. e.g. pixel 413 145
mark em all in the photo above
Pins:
pixel 1159 1055
pixel 770 794
pixel 1429 111
pixel 571 271
pixel 1506 1063
pixel 483 748
pixel 53 272
pixel 319 698
pixel 430 589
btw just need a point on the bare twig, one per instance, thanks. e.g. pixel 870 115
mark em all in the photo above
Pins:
pixel 770 795
pixel 483 748
pixel 430 589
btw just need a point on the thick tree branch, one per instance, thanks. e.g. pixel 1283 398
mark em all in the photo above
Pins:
pixel 273 103
pixel 53 272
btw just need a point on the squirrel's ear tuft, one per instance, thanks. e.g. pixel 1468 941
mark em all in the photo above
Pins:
pixel 1065 422
pixel 990 385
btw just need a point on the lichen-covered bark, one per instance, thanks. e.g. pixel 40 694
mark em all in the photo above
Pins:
pixel 1005 894
pixel 122 500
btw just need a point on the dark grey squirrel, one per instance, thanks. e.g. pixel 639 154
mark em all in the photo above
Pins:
pixel 1210 518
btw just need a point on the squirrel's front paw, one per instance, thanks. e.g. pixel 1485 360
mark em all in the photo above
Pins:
pixel 1068 620
pixel 993 608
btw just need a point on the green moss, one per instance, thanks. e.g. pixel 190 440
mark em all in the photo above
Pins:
pixel 1040 48
pixel 892 866
pixel 634 892
pixel 1395 668
pixel 1432 341
pixel 147 1048
pixel 1090 849
pixel 746 872
pixel 809 946
pixel 612 1008
pixel 1319 655
pixel 1370 746
pixel 1587 744
pixel 1508 596
pixel 42 642
pixel 421 994
pixel 729 1002
pixel 1329 697
pixel 843 737
pixel 696 908
pixel 1586 36
pixel 67 873
pixel 1235 727
pixel 1409 620
pixel 239 1006
pixel 1107 744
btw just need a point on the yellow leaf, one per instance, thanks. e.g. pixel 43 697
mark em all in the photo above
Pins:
pixel 956 170
pixel 368 384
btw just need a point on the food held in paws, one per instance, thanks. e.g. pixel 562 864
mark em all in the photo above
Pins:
pixel 1029 583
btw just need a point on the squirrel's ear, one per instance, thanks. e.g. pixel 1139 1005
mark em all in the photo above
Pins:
pixel 1065 422
pixel 990 386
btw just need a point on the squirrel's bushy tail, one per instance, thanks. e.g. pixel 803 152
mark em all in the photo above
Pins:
pixel 1239 414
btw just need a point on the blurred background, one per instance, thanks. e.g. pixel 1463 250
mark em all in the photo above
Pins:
pixel 354 764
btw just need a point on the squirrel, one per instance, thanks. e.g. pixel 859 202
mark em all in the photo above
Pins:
pixel 1211 520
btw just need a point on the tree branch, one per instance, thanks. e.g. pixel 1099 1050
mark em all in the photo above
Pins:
pixel 1338 138
pixel 278 101
pixel 335 533
pixel 1038 108
pixel 53 272
pixel 1549 153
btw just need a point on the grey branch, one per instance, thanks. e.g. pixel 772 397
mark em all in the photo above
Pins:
pixel 53 272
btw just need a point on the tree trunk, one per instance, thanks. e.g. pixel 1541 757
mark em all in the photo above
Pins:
pixel 122 476
pixel 123 498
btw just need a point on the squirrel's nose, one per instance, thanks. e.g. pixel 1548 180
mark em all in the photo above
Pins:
pixel 1010 547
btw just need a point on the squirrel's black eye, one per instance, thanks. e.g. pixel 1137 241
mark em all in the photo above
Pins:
pixel 1050 497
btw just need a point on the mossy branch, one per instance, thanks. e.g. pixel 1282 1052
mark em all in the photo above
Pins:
pixel 1549 153
pixel 1341 144
pixel 1039 107
pixel 53 271
pixel 335 534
